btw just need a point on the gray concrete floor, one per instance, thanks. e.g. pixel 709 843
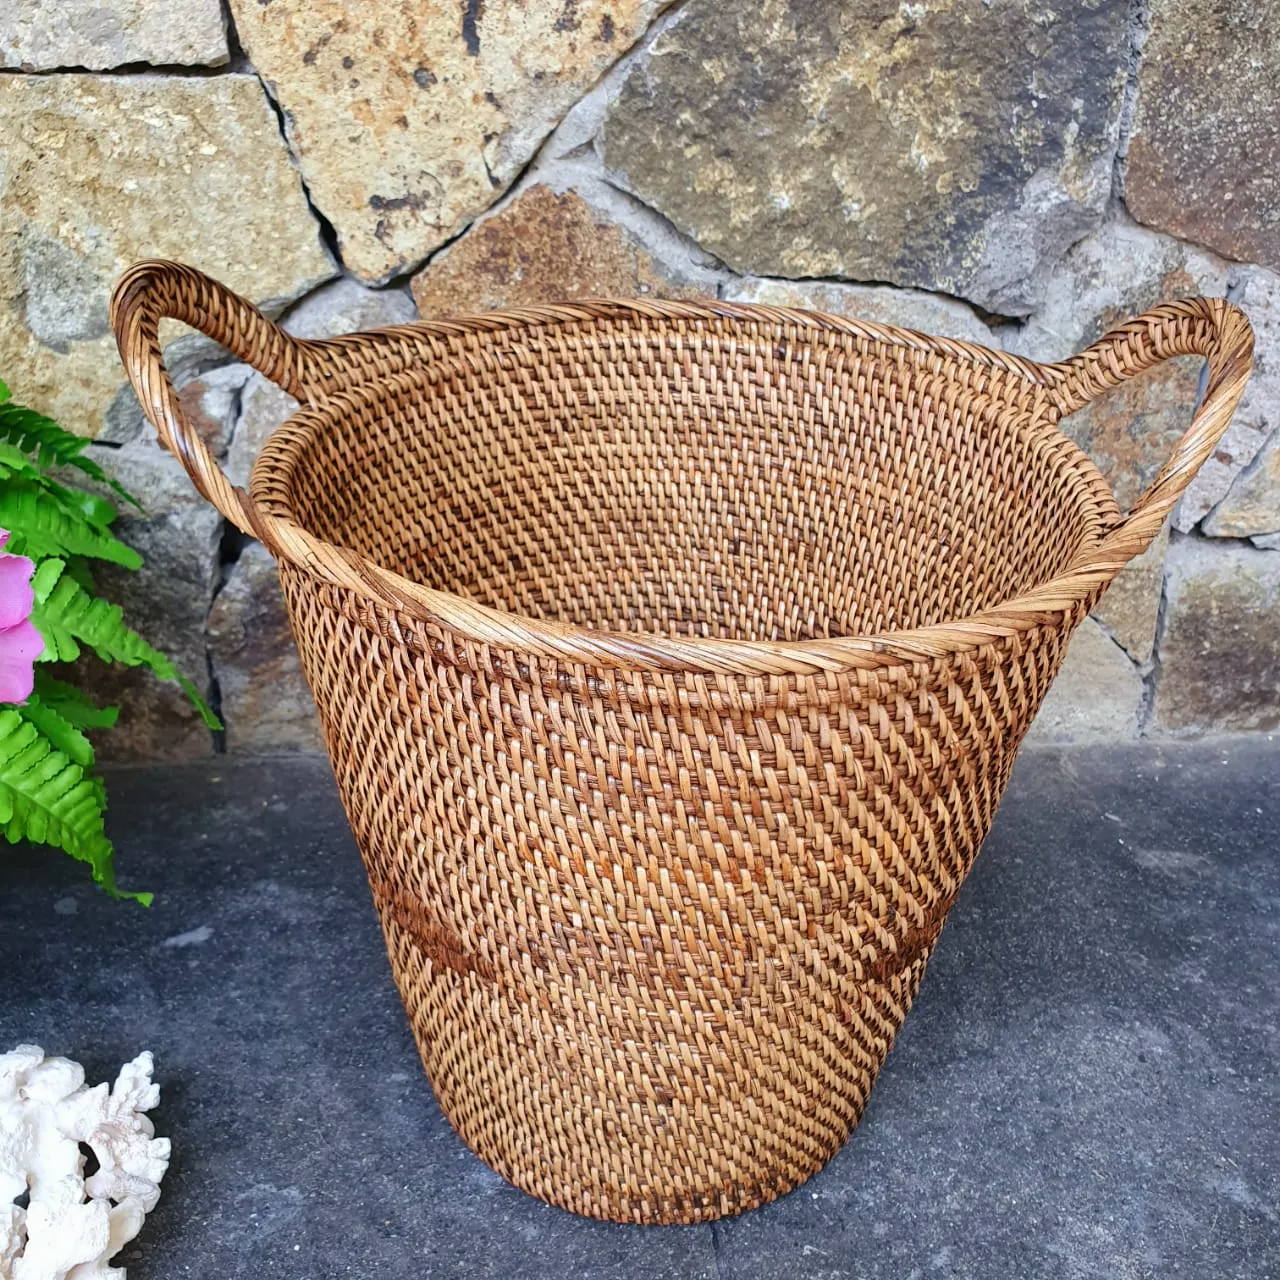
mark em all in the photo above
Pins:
pixel 1089 1084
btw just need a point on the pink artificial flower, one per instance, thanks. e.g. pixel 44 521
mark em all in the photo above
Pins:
pixel 20 643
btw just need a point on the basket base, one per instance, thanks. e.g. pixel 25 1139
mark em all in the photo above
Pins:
pixel 613 1204
pixel 672 1213
pixel 682 1153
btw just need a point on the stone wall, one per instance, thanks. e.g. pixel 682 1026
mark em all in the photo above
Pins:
pixel 1005 172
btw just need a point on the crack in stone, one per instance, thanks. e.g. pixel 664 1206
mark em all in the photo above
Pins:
pixel 328 233
pixel 994 321
pixel 1151 677
pixel 471 14
pixel 1139 30
pixel 237 59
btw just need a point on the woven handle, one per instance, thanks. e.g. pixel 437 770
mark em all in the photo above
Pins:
pixel 151 291
pixel 1209 327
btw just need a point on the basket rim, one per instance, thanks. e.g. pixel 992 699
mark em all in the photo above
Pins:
pixel 494 627
pixel 315 370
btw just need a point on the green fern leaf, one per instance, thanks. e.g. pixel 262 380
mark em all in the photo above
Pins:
pixel 67 616
pixel 34 433
pixel 46 576
pixel 15 465
pixel 61 734
pixel 53 445
pixel 48 790
pixel 43 525
pixel 75 707
pixel 87 506
pixel 46 798
pixel 13 462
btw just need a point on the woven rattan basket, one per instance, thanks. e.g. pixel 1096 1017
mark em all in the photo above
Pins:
pixel 672 659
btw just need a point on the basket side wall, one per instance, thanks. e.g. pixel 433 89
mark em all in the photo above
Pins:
pixel 656 938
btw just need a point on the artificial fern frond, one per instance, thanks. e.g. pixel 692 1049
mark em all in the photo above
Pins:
pixel 34 433
pixel 52 445
pixel 15 465
pixel 49 791
pixel 65 737
pixel 41 524
pixel 75 707
pixel 87 506
pixel 13 462
pixel 67 616
pixel 62 734
pixel 45 797
pixel 60 712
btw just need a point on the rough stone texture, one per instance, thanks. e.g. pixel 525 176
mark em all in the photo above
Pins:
pixel 178 535
pixel 1097 696
pixel 1220 650
pixel 167 600
pixel 1252 506
pixel 41 35
pixel 1086 1086
pixel 408 121
pixel 1114 274
pixel 955 146
pixel 1131 608
pixel 211 402
pixel 1204 160
pixel 263 407
pixel 1268 541
pixel 101 170
pixel 542 247
pixel 266 704
pixel 908 308
pixel 346 306
pixel 1131 432
pixel 207 383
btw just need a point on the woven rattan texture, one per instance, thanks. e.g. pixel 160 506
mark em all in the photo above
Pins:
pixel 748 482
pixel 677 940
pixel 655 943
pixel 672 661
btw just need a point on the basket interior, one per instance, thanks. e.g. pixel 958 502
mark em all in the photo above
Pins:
pixel 752 481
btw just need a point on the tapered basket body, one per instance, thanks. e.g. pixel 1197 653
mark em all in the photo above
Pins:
pixel 672 660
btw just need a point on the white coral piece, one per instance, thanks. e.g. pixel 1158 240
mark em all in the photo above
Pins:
pixel 71 1227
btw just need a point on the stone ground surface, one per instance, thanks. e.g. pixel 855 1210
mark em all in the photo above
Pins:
pixel 1088 1086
